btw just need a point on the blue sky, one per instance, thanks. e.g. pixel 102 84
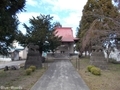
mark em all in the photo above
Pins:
pixel 67 12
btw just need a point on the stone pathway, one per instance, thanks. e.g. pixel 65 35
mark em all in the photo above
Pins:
pixel 61 75
pixel 3 64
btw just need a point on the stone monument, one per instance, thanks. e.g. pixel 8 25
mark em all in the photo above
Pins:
pixel 97 58
pixel 33 56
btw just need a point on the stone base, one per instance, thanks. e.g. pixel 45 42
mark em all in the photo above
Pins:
pixel 97 59
pixel 33 59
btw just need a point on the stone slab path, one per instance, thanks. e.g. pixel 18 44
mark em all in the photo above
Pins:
pixel 61 75
pixel 3 64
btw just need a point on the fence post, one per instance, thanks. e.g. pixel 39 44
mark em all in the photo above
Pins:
pixel 47 64
pixel 78 63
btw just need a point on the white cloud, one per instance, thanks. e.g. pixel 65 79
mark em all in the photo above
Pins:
pixel 72 21
pixel 71 5
pixel 55 17
pixel 22 29
pixel 32 2
pixel 24 17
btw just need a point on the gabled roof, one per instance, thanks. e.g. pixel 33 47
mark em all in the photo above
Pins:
pixel 66 33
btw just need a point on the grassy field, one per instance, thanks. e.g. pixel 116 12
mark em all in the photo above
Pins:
pixel 109 79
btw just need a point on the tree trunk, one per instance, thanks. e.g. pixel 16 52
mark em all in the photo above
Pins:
pixel 107 56
pixel 40 51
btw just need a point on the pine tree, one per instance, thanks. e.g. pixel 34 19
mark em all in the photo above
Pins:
pixel 41 33
pixel 9 22
pixel 100 18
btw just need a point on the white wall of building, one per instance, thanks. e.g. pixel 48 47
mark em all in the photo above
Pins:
pixel 23 53
pixel 66 47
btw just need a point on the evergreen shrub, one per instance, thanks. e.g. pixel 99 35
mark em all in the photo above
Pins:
pixel 33 68
pixel 95 71
pixel 89 67
pixel 28 71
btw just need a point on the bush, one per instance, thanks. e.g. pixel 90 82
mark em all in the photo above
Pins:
pixel 89 67
pixel 28 71
pixel 33 68
pixel 95 71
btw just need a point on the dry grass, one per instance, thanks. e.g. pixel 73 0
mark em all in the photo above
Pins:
pixel 109 80
pixel 18 78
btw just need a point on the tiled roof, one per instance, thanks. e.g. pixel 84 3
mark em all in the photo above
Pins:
pixel 66 33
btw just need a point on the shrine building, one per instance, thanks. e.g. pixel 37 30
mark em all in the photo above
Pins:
pixel 67 40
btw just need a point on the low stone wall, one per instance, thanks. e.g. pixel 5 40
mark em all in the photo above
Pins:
pixel 62 55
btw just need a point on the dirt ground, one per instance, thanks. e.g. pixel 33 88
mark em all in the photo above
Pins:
pixel 109 79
